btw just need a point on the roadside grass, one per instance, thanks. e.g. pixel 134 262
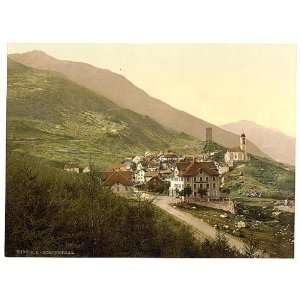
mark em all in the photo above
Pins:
pixel 274 235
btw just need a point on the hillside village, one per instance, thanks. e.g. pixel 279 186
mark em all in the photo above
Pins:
pixel 185 176
pixel 201 185
pixel 193 178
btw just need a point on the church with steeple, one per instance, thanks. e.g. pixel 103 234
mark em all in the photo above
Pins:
pixel 238 153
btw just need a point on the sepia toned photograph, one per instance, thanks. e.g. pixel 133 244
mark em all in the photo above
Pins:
pixel 150 150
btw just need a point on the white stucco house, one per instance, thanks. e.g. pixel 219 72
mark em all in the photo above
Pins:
pixel 139 176
pixel 202 178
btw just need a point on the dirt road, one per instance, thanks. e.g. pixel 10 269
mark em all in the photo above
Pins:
pixel 202 229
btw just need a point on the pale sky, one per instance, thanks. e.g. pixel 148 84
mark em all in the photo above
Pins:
pixel 219 83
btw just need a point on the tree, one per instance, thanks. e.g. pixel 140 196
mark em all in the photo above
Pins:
pixel 202 192
pixel 158 186
pixel 187 191
pixel 251 248
pixel 219 247
pixel 48 209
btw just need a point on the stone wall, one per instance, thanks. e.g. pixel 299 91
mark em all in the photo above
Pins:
pixel 226 205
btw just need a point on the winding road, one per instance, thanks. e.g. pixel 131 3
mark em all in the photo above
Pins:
pixel 202 230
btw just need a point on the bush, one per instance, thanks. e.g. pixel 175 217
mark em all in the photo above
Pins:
pixel 219 248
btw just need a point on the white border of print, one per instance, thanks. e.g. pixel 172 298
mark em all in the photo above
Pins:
pixel 145 21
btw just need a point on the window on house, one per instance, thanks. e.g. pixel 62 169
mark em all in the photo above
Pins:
pixel 195 179
pixel 214 185
pixel 200 178
pixel 206 178
pixel 194 186
pixel 214 178
pixel 207 185
pixel 201 185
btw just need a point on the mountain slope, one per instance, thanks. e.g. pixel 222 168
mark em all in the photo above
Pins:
pixel 125 94
pixel 278 145
pixel 52 117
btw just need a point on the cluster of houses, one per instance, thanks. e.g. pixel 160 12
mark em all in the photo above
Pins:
pixel 196 176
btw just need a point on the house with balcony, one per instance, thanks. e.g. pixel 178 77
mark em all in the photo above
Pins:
pixel 197 180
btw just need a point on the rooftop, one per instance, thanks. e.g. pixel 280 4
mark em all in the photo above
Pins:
pixel 118 177
pixel 195 167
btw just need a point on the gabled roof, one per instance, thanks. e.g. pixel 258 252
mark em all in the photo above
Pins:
pixel 167 171
pixel 182 165
pixel 118 177
pixel 208 164
pixel 104 174
pixel 151 174
pixel 194 168
pixel 235 149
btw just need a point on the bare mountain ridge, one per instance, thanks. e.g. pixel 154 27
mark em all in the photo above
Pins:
pixel 277 144
pixel 124 93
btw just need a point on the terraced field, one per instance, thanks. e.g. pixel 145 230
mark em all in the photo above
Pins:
pixel 53 118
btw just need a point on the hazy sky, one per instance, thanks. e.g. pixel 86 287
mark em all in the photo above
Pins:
pixel 219 83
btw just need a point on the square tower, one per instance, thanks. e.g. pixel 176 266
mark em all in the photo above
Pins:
pixel 209 135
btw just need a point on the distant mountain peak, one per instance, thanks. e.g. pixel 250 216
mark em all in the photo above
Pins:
pixel 38 56
pixel 32 53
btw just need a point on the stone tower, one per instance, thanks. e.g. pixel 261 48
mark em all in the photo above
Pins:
pixel 209 135
pixel 243 145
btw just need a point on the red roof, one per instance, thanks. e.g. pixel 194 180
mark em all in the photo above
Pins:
pixel 182 165
pixel 118 177
pixel 104 175
pixel 151 174
pixel 194 168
